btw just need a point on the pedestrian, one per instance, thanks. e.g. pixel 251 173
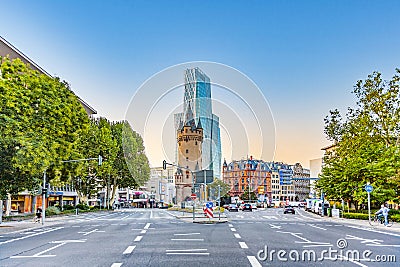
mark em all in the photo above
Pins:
pixel 38 214
pixel 384 211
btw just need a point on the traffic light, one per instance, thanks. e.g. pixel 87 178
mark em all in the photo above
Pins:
pixel 100 160
pixel 164 164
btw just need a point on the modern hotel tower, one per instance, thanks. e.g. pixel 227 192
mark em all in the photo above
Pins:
pixel 197 108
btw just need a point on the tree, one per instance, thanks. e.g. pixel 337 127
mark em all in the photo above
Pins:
pixel 213 188
pixel 366 144
pixel 41 121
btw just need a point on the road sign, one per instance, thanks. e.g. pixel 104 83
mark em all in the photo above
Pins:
pixel 209 205
pixel 193 196
pixel 368 188
pixel 209 212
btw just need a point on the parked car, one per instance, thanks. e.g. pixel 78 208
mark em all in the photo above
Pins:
pixel 233 207
pixel 253 206
pixel 248 207
pixel 289 209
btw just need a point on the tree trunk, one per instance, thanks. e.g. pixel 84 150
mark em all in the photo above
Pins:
pixel 114 189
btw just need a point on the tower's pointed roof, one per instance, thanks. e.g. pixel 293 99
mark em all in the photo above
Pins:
pixel 199 126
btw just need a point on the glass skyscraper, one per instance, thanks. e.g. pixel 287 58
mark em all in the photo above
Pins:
pixel 197 99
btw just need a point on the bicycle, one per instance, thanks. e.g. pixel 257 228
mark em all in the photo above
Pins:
pixel 380 219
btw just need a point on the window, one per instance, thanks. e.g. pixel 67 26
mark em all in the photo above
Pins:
pixel 187 158
pixel 187 151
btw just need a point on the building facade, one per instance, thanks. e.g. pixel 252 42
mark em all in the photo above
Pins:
pixel 301 182
pixel 197 99
pixel 273 182
pixel 248 175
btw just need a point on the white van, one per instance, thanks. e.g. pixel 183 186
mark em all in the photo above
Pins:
pixel 319 205
pixel 310 204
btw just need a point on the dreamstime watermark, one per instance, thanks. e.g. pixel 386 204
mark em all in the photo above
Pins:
pixel 339 254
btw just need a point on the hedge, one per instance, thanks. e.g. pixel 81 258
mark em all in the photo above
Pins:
pixel 359 216
pixel 362 216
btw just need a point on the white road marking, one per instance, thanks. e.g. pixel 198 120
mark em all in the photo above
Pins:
pixel 27 236
pixel 186 250
pixel 117 264
pixel 189 239
pixel 312 225
pixel 233 229
pixel 370 230
pixel 138 238
pixel 60 243
pixel 188 234
pixel 382 245
pixel 253 261
pixel 151 214
pixel 143 231
pixel 275 226
pixel 147 226
pixel 123 218
pixel 243 245
pixel 237 236
pixel 364 240
pixel 188 253
pixel 230 225
pixel 195 251
pixel 129 250
pixel 90 232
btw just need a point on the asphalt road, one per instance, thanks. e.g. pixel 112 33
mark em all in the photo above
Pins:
pixel 152 237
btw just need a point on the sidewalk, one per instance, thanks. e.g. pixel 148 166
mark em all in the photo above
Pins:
pixel 9 227
pixel 361 223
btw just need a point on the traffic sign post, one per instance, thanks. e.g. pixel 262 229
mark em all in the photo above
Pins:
pixel 369 189
pixel 208 210
pixel 193 196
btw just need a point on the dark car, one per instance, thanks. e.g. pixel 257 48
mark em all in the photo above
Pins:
pixel 233 207
pixel 288 209
pixel 248 207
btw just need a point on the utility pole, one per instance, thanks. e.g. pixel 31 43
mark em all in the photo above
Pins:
pixel 205 185
pixel 44 197
pixel 219 202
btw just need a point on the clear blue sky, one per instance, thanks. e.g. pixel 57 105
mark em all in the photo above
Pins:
pixel 305 56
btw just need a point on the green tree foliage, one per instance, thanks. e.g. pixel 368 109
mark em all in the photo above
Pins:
pixel 134 153
pixel 213 188
pixel 366 144
pixel 124 161
pixel 41 121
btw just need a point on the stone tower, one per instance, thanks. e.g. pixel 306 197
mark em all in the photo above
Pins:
pixel 190 139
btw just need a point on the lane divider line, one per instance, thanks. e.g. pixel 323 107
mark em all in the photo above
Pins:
pixel 138 238
pixel 243 245
pixel 253 261
pixel 129 250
